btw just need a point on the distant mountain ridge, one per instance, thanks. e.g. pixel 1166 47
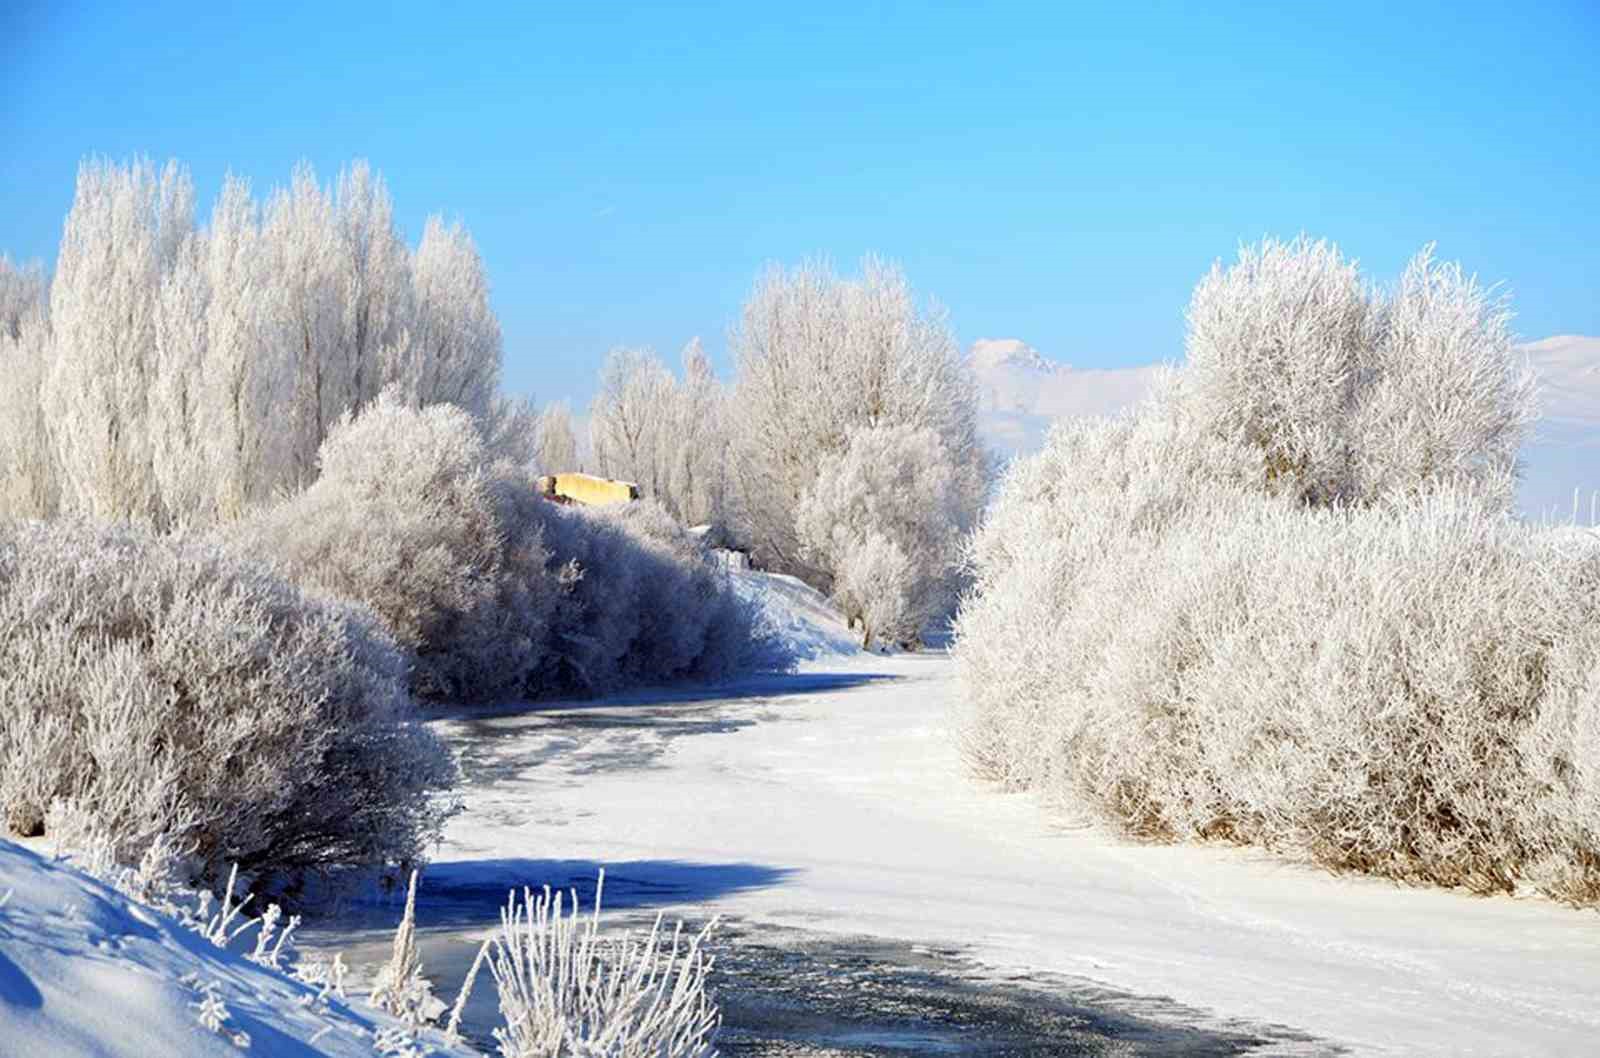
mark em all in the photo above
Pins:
pixel 1021 391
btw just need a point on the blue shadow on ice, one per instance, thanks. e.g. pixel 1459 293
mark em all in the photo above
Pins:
pixel 469 891
pixel 765 686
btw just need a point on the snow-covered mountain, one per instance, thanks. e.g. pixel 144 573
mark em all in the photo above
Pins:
pixel 1021 391
pixel 1563 455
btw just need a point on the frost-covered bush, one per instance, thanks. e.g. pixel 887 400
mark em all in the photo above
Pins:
pixel 886 516
pixel 567 990
pixel 494 591
pixel 408 519
pixel 1405 690
pixel 640 603
pixel 163 690
pixel 1308 623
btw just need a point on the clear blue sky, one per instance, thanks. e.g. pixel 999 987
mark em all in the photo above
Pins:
pixel 1047 171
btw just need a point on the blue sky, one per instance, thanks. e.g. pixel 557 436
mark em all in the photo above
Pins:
pixel 1047 171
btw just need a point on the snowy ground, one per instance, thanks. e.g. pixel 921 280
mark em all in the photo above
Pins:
pixel 834 801
pixel 87 973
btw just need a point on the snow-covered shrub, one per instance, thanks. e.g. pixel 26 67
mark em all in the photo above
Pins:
pixel 1223 616
pixel 171 691
pixel 494 591
pixel 408 519
pixel 641 603
pixel 566 989
pixel 887 517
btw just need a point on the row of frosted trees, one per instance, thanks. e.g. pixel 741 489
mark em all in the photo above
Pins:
pixel 845 451
pixel 176 373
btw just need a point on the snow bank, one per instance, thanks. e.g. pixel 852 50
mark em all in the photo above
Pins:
pixel 85 971
pixel 798 614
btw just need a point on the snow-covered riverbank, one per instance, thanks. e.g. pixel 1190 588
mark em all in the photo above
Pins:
pixel 834 800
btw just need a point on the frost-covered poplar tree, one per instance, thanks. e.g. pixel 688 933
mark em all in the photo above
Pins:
pixel 22 290
pixel 179 449
pixel 122 238
pixel 630 418
pixel 187 374
pixel 28 479
pixel 454 351
pixel 246 387
pixel 697 474
pixel 29 473
pixel 818 356
pixel 556 451
pixel 377 294
pixel 300 240
pixel 667 435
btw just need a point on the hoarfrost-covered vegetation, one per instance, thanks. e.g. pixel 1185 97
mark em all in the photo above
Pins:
pixel 833 374
pixel 1284 602
pixel 162 690
pixel 565 988
pixel 845 452
pixel 260 490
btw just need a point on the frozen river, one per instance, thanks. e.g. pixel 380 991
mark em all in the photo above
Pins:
pixel 877 902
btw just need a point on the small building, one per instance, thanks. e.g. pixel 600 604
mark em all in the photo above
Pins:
pixel 588 490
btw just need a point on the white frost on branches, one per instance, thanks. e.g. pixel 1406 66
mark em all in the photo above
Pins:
pixel 1283 601
pixel 566 990
pixel 820 357
pixel 886 516
pixel 182 374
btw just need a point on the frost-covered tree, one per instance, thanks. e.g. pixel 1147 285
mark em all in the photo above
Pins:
pixel 195 372
pixel 819 356
pixel 30 476
pixel 22 291
pixel 631 417
pixel 121 242
pixel 887 518
pixel 455 345
pixel 1351 392
pixel 306 283
pixel 1447 399
pixel 375 273
pixel 556 449
pixel 667 435
pixel 697 475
